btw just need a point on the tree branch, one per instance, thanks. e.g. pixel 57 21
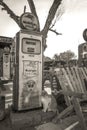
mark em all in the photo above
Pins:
pixel 10 12
pixel 50 17
pixel 33 10
pixel 55 32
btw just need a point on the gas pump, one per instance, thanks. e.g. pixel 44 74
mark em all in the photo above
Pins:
pixel 6 63
pixel 5 56
pixel 28 71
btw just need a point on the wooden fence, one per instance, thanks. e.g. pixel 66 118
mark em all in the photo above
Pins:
pixel 73 81
pixel 73 78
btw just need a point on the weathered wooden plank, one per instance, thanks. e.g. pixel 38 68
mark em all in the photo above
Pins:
pixel 82 79
pixel 61 79
pixel 85 78
pixel 65 112
pixel 71 78
pixel 85 68
pixel 72 126
pixel 75 79
pixel 63 84
pixel 79 114
pixel 68 80
pixel 83 72
pixel 79 80
pixel 75 94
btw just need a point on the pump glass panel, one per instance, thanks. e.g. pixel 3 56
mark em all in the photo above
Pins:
pixel 31 46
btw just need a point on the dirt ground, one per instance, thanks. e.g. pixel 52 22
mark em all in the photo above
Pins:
pixel 69 123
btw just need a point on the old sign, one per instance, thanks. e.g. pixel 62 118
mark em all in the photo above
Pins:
pixel 29 21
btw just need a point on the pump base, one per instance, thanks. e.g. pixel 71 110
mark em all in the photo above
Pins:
pixel 22 120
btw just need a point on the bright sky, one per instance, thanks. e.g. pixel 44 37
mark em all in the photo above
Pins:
pixel 71 24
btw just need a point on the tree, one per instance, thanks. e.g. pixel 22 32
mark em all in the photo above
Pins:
pixel 56 57
pixel 65 56
pixel 51 15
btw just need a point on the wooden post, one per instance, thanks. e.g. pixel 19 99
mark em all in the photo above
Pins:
pixel 65 112
pixel 79 114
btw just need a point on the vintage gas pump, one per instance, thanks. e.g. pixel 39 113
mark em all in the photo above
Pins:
pixel 6 63
pixel 27 82
pixel 5 56
pixel 28 70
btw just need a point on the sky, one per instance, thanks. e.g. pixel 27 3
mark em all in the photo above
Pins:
pixel 71 24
